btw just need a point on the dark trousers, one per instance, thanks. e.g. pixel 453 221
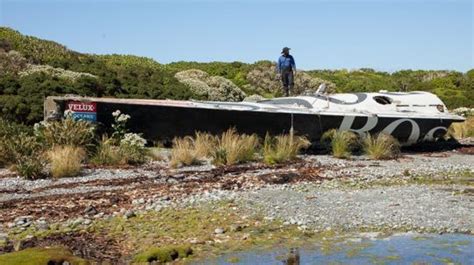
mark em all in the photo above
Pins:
pixel 287 80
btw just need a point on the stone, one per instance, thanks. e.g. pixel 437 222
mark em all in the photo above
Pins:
pixel 87 222
pixel 129 214
pixel 90 210
pixel 99 215
pixel 77 222
pixel 42 225
pixel 235 228
pixel 3 238
pixel 138 201
pixel 219 231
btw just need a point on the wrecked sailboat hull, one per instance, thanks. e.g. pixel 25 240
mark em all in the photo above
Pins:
pixel 162 120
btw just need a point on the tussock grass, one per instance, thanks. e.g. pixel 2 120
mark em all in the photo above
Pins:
pixel 204 144
pixel 67 132
pixel 381 146
pixel 283 148
pixel 233 148
pixel 154 153
pixel 107 154
pixel 66 161
pixel 183 152
pixel 460 130
pixel 342 143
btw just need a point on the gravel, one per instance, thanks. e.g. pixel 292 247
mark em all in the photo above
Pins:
pixel 324 204
pixel 361 166
pixel 403 207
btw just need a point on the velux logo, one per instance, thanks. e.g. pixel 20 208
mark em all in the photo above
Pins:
pixel 77 106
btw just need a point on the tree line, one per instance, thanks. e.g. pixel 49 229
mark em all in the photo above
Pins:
pixel 32 69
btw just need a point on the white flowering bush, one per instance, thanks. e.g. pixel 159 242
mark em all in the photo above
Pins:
pixel 120 125
pixel 463 111
pixel 123 147
pixel 133 139
pixel 214 88
pixel 12 62
pixel 56 72
pixel 132 149
pixel 254 98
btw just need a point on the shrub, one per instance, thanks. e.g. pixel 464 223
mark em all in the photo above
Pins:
pixel 183 152
pixel 132 149
pixel 8 132
pixel 460 130
pixel 208 87
pixel 66 161
pixel 120 125
pixel 107 154
pixel 123 147
pixel 27 156
pixel 283 148
pixel 342 143
pixel 382 146
pixel 232 148
pixel 66 132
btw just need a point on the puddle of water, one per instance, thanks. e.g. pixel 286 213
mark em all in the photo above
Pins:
pixel 396 249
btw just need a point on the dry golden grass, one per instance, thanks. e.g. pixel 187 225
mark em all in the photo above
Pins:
pixel 342 142
pixel 233 148
pixel 382 146
pixel 155 154
pixel 183 152
pixel 107 154
pixel 66 161
pixel 204 144
pixel 283 148
pixel 460 130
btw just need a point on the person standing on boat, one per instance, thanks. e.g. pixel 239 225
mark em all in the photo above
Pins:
pixel 286 68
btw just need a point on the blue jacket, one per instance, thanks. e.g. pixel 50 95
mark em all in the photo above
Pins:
pixel 286 62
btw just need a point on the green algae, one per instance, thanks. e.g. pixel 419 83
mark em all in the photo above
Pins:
pixel 163 254
pixel 233 260
pixel 170 227
pixel 41 256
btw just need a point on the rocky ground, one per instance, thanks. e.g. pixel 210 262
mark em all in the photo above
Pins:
pixel 428 191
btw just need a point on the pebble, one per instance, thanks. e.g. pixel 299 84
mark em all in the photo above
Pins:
pixel 129 214
pixel 219 230
pixel 347 204
pixel 90 210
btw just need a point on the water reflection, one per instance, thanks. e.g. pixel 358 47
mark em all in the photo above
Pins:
pixel 396 249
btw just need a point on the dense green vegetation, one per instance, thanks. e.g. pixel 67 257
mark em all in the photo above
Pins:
pixel 31 69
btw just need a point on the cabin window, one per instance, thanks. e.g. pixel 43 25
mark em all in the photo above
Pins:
pixel 383 100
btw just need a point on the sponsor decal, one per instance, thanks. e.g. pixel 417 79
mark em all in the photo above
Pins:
pixel 83 110
pixel 371 123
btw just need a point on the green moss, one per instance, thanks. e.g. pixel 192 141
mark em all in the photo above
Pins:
pixel 40 256
pixel 392 257
pixel 356 249
pixel 233 260
pixel 163 254
pixel 456 177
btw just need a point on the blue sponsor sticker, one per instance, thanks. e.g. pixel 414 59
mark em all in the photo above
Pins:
pixel 86 116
